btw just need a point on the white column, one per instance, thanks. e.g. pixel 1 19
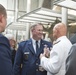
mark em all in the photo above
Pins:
pixel 16 10
pixel 40 3
pixel 65 18
pixel 64 15
pixel 28 5
pixel 28 25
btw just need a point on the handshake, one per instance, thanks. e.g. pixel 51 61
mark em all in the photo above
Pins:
pixel 46 52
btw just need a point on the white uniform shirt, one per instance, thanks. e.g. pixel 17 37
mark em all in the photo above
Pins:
pixel 55 65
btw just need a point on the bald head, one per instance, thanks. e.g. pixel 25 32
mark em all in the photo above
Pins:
pixel 59 30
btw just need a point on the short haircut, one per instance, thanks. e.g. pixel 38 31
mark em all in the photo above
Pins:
pixel 33 26
pixel 2 10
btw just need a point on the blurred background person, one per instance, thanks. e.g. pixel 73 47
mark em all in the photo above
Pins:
pixel 55 64
pixel 29 51
pixel 71 61
pixel 73 38
pixel 12 42
pixel 5 51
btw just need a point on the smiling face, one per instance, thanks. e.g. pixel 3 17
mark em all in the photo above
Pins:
pixel 37 32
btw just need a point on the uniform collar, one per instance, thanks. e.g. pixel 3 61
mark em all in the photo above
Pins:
pixel 59 39
pixel 34 41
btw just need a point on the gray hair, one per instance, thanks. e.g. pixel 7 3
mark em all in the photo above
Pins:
pixel 33 26
pixel 9 36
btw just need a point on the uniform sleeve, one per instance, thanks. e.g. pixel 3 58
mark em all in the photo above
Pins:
pixel 18 61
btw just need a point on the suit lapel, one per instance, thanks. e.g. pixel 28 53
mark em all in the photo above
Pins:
pixel 40 50
pixel 30 46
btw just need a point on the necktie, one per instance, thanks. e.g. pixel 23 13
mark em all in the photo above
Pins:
pixel 36 46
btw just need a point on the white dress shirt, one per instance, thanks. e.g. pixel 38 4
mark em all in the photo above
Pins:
pixel 34 44
pixel 55 65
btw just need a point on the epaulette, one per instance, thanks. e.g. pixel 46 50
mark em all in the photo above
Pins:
pixel 56 42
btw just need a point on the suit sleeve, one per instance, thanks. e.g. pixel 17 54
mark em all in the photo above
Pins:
pixel 71 61
pixel 5 57
pixel 18 61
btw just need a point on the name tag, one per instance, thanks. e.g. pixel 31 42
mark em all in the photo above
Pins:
pixel 27 53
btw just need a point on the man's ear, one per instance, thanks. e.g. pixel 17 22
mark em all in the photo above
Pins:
pixel 0 18
pixel 32 30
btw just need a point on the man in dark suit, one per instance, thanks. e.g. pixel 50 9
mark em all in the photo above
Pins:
pixel 71 61
pixel 27 57
pixel 5 52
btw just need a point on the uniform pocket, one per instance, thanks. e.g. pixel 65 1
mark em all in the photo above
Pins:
pixel 26 55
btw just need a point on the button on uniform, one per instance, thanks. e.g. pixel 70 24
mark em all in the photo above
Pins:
pixel 36 69
pixel 36 63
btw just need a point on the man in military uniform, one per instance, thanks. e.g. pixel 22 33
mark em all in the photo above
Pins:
pixel 55 64
pixel 28 53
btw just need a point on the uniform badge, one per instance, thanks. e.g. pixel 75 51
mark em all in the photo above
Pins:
pixel 26 54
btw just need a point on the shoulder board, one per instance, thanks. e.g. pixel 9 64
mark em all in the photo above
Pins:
pixel 56 42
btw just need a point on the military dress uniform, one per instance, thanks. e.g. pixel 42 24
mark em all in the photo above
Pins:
pixel 55 65
pixel 29 59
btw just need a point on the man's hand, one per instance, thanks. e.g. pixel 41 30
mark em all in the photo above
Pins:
pixel 41 55
pixel 46 52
